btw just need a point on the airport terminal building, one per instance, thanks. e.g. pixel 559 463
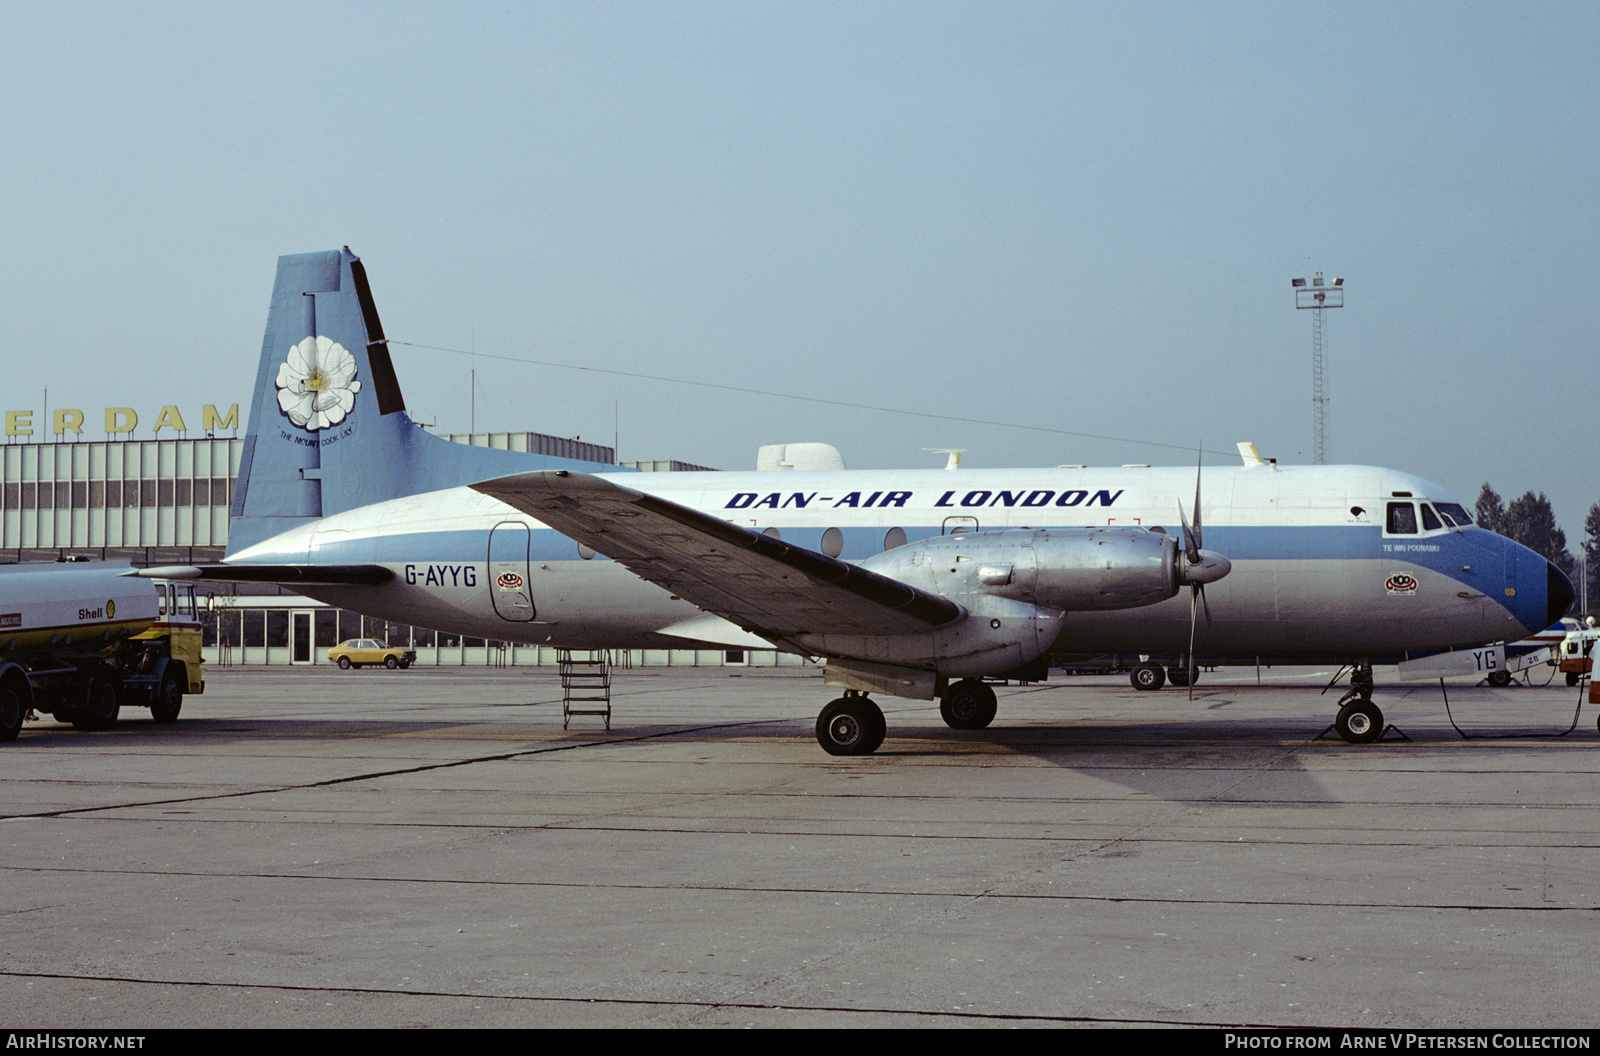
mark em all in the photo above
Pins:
pixel 165 501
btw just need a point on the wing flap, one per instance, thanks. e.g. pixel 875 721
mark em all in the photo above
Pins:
pixel 764 585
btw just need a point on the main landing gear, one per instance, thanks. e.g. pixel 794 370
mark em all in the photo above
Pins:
pixel 967 705
pixel 853 725
pixel 1359 720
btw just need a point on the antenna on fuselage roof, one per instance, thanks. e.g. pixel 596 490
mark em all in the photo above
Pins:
pixel 955 454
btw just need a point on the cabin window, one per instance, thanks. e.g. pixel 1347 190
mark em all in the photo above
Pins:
pixel 1402 519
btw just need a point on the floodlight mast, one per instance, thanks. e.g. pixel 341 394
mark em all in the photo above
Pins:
pixel 1319 297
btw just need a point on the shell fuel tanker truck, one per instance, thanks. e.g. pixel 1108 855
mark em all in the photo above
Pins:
pixel 81 641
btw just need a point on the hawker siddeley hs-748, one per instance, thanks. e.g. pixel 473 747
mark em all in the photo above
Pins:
pixel 922 584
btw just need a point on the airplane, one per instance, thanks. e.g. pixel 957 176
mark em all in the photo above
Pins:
pixel 923 584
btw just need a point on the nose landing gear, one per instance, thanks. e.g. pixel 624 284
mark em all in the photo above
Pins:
pixel 1359 720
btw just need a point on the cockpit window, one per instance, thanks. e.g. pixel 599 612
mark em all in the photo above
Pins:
pixel 1430 520
pixel 1402 519
pixel 1454 514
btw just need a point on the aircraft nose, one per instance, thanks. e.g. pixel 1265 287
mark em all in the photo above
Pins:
pixel 1558 594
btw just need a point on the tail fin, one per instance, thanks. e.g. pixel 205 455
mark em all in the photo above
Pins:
pixel 328 426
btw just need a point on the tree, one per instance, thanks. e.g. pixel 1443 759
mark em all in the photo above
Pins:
pixel 1491 509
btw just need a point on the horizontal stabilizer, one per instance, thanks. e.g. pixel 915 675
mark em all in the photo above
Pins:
pixel 287 575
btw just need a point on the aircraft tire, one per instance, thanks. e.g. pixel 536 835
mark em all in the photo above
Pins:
pixel 1500 679
pixel 851 726
pixel 390 662
pixel 344 663
pixel 1359 722
pixel 404 664
pixel 169 700
pixel 1572 678
pixel 102 703
pixel 11 710
pixel 1179 676
pixel 1148 677
pixel 968 705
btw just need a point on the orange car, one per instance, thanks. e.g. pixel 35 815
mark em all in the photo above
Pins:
pixel 358 651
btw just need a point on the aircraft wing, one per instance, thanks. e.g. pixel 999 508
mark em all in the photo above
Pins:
pixel 764 585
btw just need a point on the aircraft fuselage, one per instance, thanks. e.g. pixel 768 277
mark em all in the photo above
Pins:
pixel 1324 565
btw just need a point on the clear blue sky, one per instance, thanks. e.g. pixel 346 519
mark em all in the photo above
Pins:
pixel 1078 217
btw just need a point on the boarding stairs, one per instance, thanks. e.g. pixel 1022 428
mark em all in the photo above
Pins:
pixel 585 684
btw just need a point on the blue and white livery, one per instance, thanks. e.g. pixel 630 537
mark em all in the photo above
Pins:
pixel 922 584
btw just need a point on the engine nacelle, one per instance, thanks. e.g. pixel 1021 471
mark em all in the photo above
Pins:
pixel 1016 588
pixel 994 634
pixel 1064 569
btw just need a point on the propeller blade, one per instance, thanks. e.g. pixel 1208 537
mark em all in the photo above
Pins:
pixel 1193 593
pixel 1191 545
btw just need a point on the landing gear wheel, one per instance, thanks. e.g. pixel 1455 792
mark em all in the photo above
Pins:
pixel 169 700
pixel 344 663
pixel 390 662
pixel 1359 722
pixel 1179 676
pixel 1148 676
pixel 1500 679
pixel 11 710
pixel 102 702
pixel 851 726
pixel 1572 678
pixel 968 705
pixel 404 664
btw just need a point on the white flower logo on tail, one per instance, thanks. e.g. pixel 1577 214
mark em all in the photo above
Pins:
pixel 316 384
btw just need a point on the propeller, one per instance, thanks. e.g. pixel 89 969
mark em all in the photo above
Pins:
pixel 1199 567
